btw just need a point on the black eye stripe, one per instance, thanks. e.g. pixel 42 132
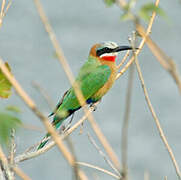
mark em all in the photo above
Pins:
pixel 103 51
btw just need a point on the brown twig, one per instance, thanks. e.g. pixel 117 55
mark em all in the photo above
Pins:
pixel 76 166
pixel 44 93
pixel 124 59
pixel 20 173
pixel 12 147
pixel 4 10
pixel 124 136
pixel 99 169
pixel 78 93
pixel 6 168
pixel 102 154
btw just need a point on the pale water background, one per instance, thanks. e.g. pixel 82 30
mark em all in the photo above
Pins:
pixel 78 25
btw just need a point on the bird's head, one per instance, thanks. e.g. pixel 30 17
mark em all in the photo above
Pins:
pixel 107 50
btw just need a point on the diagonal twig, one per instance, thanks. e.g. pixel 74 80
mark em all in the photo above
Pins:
pixel 102 154
pixel 99 169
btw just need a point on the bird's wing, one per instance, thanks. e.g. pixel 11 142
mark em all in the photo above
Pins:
pixel 89 84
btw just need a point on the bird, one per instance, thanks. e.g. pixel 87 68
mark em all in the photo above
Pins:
pixel 95 79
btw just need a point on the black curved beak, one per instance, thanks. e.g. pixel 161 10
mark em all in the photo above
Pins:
pixel 123 48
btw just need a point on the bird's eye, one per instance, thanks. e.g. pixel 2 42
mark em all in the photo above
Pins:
pixel 104 50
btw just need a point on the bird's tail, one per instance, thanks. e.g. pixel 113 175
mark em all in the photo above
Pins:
pixel 56 125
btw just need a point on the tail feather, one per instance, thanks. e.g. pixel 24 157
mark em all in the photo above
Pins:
pixel 56 125
pixel 57 121
pixel 42 144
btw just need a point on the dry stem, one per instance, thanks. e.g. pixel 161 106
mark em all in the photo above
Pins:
pixel 5 165
pixel 102 154
pixel 4 10
pixel 99 169
pixel 124 136
pixel 20 173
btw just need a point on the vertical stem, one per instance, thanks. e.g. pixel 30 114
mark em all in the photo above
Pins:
pixel 124 136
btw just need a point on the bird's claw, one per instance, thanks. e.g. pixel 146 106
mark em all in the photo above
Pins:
pixel 93 106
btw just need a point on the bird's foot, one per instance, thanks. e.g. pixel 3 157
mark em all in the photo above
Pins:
pixel 93 106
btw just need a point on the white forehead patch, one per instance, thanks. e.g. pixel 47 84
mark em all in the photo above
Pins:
pixel 110 44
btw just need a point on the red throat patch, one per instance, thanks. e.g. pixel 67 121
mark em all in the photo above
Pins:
pixel 109 58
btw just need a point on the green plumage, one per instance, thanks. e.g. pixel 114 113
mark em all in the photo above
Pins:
pixel 92 76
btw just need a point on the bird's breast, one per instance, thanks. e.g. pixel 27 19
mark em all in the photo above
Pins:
pixel 102 91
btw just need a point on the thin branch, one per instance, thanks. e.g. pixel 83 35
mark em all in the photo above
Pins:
pixel 12 147
pixel 99 169
pixel 162 135
pixel 4 10
pixel 76 166
pixel 102 154
pixel 124 59
pixel 78 92
pixel 29 102
pixel 124 136
pixel 20 173
pixel 44 93
pixel 5 165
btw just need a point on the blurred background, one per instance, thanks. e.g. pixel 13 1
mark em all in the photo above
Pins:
pixel 78 25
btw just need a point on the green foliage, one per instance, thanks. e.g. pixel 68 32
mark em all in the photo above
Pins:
pixel 5 85
pixel 109 2
pixel 147 9
pixel 8 121
pixel 126 16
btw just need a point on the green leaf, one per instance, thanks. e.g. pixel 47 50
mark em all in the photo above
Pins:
pixel 147 9
pixel 109 2
pixel 5 85
pixel 126 16
pixel 7 122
